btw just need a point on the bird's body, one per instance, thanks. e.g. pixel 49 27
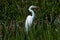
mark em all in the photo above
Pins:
pixel 28 22
pixel 29 19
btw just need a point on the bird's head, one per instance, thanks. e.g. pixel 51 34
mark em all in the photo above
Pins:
pixel 32 6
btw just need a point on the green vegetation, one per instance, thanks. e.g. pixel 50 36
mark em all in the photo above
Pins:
pixel 46 25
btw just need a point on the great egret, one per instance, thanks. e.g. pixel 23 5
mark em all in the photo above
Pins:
pixel 30 18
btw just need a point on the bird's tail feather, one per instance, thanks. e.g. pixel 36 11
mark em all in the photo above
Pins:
pixel 26 27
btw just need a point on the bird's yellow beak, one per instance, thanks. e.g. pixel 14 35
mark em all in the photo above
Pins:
pixel 35 7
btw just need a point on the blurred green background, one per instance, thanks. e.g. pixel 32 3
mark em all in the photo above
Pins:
pixel 46 24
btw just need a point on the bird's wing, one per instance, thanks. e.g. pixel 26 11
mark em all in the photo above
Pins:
pixel 29 20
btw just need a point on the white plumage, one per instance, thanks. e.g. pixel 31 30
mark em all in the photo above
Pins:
pixel 29 19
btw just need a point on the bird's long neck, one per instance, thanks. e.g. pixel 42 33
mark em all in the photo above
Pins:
pixel 32 12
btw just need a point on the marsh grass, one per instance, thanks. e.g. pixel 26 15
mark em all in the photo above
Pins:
pixel 45 26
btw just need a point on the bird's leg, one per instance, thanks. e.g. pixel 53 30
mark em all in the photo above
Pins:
pixel 26 36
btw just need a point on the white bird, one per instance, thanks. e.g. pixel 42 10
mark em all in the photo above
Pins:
pixel 30 18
